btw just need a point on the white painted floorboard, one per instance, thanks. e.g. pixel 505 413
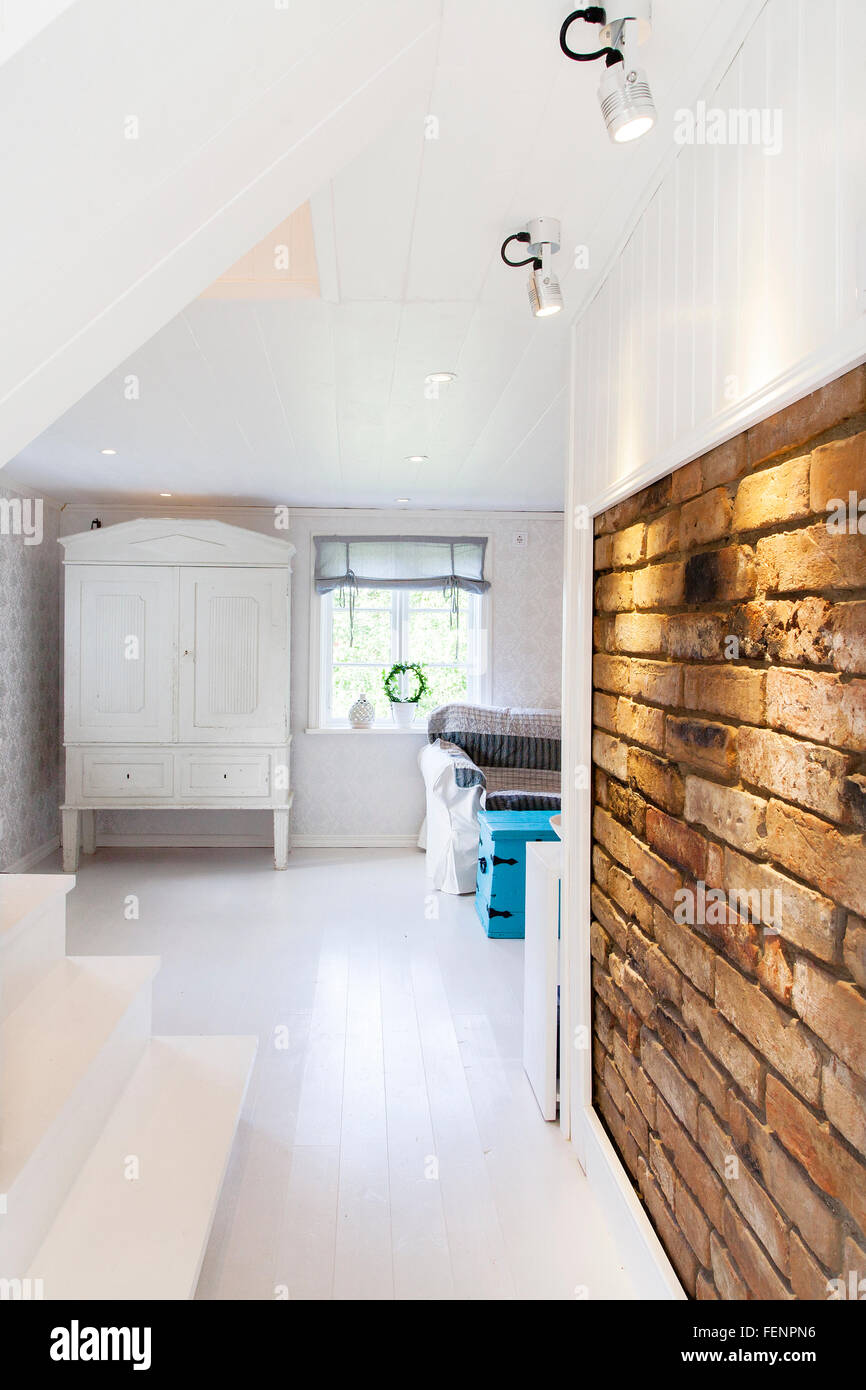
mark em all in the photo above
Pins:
pixel 390 1144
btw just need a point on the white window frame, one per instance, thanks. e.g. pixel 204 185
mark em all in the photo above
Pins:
pixel 478 653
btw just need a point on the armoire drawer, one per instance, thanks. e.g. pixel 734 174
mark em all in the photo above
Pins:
pixel 205 775
pixel 110 774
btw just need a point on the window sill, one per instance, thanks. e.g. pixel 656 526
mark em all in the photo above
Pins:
pixel 375 729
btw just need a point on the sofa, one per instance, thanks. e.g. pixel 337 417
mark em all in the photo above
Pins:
pixel 502 759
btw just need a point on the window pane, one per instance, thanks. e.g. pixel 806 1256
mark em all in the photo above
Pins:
pixel 445 685
pixel 372 636
pixel 348 682
pixel 432 638
pixel 373 598
pixel 429 598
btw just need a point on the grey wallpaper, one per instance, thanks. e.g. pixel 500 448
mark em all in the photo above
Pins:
pixel 30 657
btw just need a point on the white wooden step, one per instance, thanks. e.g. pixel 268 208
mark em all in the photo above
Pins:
pixel 66 1053
pixel 32 931
pixel 140 1232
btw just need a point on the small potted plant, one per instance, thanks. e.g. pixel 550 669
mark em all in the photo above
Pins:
pixel 404 707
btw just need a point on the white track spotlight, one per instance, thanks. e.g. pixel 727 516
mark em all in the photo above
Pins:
pixel 623 93
pixel 542 239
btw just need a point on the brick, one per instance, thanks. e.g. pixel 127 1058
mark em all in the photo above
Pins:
pixel 799 914
pixel 756 1206
pixel 603 1021
pixel 676 1089
pixel 725 463
pixel 691 1165
pixel 604 711
pixel 629 547
pixel 601 784
pixel 603 633
pixel 636 1123
pixel 809 417
pixel 643 723
pixel 854 948
pixel 705 519
pixel 802 1202
pixel 818 706
pixel 663 1170
pixel 613 836
pixel 735 935
pixel 613 998
pixel 610 754
pixel 664 978
pixel 657 876
pixel 645 634
pixel 710 1079
pixel 844 1098
pixel 846 629
pixel 826 1160
pixel 724 1043
pixel 695 636
pixel 790 630
pixel 633 1027
pixel 725 1272
pixel 657 780
pixel 720 575
pixel 692 1223
pixel 599 942
pixel 687 481
pixel 779 1037
pixel 759 1272
pixel 636 1079
pixel 628 894
pixel 627 807
pixel 672 1035
pixel 806 773
pixel 734 816
pixel 615 1085
pixel 819 853
pixel 701 743
pixel 725 690
pixel 838 469
pixel 833 1009
pixel 663 535
pixel 855 1262
pixel 613 1119
pixel 685 948
pixel 808 1279
pixel 613 592
pixel 676 842
pixel 812 558
pixel 659 586
pixel 601 864
pixel 679 1251
pixel 854 799
pixel 603 553
pixel 774 971
pixel 610 673
pixel 638 992
pixel 773 496
pixel 660 682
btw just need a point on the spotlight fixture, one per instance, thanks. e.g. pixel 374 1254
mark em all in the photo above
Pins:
pixel 542 241
pixel 436 377
pixel 165 494
pixel 417 458
pixel 108 451
pixel 402 500
pixel 623 92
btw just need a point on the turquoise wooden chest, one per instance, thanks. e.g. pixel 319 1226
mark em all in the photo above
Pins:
pixel 500 884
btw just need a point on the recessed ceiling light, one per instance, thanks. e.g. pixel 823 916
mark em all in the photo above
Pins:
pixel 417 458
pixel 165 494
pixel 402 499
pixel 108 451
pixel 440 376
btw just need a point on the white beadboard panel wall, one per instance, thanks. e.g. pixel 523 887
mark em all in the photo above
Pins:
pixel 736 290
pixel 364 788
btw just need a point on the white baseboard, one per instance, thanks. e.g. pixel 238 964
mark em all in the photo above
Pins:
pixel 644 1257
pixel 20 866
pixel 355 841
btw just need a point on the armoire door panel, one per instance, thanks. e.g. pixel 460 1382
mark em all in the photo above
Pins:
pixel 233 654
pixel 120 640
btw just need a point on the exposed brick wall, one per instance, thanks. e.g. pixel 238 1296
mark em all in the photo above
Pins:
pixel 729 1037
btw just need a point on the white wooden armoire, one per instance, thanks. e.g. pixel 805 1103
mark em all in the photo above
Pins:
pixel 176 676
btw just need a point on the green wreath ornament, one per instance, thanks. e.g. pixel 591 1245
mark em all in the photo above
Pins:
pixel 402 668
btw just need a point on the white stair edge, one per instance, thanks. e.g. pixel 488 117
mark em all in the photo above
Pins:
pixel 32 932
pixel 125 1237
pixel 66 1053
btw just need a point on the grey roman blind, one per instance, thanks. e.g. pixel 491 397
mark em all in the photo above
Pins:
pixel 450 563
